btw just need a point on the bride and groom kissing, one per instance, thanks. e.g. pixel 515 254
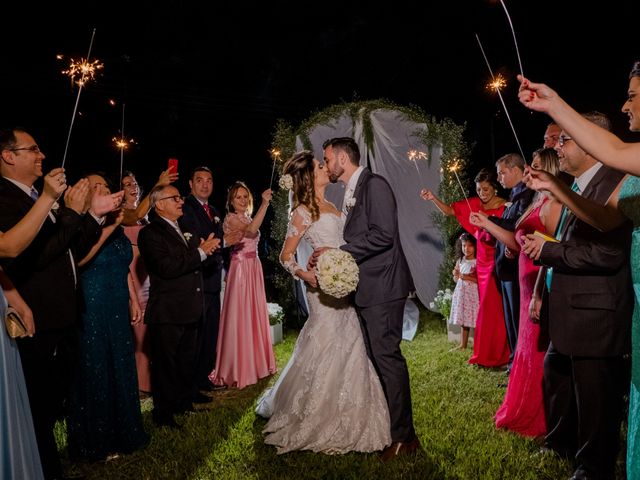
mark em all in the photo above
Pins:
pixel 346 385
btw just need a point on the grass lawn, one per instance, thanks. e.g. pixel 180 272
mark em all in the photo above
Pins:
pixel 453 405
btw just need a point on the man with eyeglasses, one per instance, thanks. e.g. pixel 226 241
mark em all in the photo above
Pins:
pixel 174 259
pixel 45 274
pixel 587 305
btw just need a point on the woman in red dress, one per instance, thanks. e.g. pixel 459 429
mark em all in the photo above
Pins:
pixel 490 347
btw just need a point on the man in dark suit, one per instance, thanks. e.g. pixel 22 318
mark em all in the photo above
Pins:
pixel 587 305
pixel 371 233
pixel 176 302
pixel 510 169
pixel 202 218
pixel 45 274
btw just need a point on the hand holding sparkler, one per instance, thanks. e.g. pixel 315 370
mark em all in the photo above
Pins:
pixel 443 207
pixel 479 219
pixel 537 96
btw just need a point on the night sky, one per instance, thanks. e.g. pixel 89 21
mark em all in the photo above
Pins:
pixel 205 82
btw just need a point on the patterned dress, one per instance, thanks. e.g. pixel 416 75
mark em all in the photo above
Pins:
pixel 464 301
pixel 629 204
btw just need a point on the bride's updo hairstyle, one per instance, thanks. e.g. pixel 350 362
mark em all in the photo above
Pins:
pixel 300 167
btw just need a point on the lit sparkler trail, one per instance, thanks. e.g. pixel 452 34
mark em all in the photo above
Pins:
pixel 75 108
pixel 414 156
pixel 497 84
pixel 275 156
pixel 513 32
pixel 122 146
pixel 454 169
pixel 501 99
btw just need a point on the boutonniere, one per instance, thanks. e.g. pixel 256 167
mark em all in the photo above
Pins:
pixel 216 219
pixel 187 236
pixel 507 204
pixel 350 203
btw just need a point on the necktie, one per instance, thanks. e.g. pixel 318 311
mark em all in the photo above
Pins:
pixel 207 210
pixel 34 194
pixel 563 218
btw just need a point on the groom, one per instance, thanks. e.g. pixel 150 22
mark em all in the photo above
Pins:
pixel 371 233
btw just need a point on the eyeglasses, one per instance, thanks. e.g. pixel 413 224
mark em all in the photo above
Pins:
pixel 562 139
pixel 176 198
pixel 34 149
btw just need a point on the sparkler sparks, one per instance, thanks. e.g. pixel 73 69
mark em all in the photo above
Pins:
pixel 275 157
pixel 415 155
pixel 497 84
pixel 454 168
pixel 82 71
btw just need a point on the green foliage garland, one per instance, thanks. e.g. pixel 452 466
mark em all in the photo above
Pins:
pixel 455 152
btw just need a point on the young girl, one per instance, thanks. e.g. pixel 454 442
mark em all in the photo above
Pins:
pixel 464 302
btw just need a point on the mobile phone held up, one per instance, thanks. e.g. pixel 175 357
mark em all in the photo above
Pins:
pixel 173 165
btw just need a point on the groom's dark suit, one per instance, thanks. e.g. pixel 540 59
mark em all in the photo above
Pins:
pixel 371 233
pixel 173 312
pixel 588 312
pixel 44 276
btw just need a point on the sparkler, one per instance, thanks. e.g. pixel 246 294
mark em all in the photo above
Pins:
pixel 414 156
pixel 275 156
pixel 495 82
pixel 122 145
pixel 86 69
pixel 454 169
pixel 513 32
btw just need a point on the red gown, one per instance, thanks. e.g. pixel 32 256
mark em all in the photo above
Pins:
pixel 490 347
pixel 522 410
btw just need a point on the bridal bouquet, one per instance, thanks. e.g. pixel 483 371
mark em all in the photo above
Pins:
pixel 337 273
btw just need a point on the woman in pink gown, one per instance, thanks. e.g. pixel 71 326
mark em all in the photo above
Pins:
pixel 490 347
pixel 522 409
pixel 244 353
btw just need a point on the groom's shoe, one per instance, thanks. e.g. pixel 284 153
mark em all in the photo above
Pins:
pixel 397 449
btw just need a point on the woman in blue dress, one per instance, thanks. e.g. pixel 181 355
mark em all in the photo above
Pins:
pixel 19 456
pixel 624 204
pixel 104 414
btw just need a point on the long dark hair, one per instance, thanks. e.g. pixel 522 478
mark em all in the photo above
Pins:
pixel 300 167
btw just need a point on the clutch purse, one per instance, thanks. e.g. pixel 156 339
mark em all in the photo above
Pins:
pixel 15 326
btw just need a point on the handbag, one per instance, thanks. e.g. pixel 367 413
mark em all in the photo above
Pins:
pixel 14 323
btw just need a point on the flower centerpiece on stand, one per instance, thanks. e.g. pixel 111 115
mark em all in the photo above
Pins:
pixel 442 303
pixel 276 318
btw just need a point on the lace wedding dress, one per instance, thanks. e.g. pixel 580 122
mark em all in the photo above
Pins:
pixel 328 398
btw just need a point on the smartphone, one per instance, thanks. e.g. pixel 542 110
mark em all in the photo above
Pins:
pixel 173 165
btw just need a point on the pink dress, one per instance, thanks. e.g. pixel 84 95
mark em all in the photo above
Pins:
pixel 490 347
pixel 141 284
pixel 244 352
pixel 464 301
pixel 522 409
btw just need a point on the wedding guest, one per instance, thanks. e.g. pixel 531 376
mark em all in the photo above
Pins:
pixel 19 453
pixel 607 148
pixel 464 301
pixel 104 414
pixel 522 409
pixel 490 347
pixel 586 370
pixel 244 352
pixel 510 169
pixel 202 218
pixel 136 209
pixel 551 135
pixel 174 261
pixel 45 275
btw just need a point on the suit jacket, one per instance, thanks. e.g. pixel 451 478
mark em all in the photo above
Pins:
pixel 520 199
pixel 371 233
pixel 175 274
pixel 591 301
pixel 195 220
pixel 43 273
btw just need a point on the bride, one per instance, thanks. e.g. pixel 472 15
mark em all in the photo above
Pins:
pixel 329 397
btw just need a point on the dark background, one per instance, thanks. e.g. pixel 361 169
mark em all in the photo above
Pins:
pixel 205 82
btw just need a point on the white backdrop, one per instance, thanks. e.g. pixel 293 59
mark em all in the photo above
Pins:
pixel 393 137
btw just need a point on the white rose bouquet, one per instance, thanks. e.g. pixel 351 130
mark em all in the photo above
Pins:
pixel 337 273
pixel 442 303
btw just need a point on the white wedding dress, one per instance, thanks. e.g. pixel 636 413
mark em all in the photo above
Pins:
pixel 328 398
